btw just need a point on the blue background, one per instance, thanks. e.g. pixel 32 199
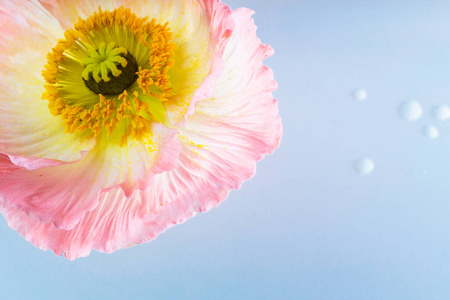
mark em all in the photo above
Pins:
pixel 307 226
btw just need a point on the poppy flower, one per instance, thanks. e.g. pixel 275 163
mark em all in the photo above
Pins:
pixel 120 118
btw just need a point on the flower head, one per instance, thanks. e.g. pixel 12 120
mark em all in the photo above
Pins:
pixel 122 118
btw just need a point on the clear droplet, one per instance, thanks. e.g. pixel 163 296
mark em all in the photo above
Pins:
pixel 364 166
pixel 359 94
pixel 430 132
pixel 410 110
pixel 441 112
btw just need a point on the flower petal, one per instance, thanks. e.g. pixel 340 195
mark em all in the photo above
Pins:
pixel 113 224
pixel 226 135
pixel 61 195
pixel 222 26
pixel 27 128
pixel 133 166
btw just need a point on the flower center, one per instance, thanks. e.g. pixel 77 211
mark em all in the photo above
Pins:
pixel 108 77
pixel 109 70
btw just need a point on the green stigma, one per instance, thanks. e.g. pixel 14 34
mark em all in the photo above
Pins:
pixel 109 70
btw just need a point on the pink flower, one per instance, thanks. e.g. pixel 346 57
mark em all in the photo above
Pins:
pixel 121 121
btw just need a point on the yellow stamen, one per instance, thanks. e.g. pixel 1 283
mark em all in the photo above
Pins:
pixel 97 49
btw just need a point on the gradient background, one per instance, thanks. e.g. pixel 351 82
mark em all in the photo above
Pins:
pixel 306 226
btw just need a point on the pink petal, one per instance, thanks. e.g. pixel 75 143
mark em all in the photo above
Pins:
pixel 113 224
pixel 61 195
pixel 117 222
pixel 33 163
pixel 222 26
pixel 226 135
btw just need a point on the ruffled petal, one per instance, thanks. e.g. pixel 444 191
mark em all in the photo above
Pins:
pixel 61 195
pixel 222 26
pixel 50 194
pixel 27 129
pixel 117 222
pixel 113 224
pixel 225 137
pixel 220 147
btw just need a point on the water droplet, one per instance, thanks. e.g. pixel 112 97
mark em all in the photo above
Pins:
pixel 410 110
pixel 430 132
pixel 359 94
pixel 441 112
pixel 364 166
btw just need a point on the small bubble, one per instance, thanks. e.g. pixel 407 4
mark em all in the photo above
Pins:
pixel 441 112
pixel 410 110
pixel 359 94
pixel 364 166
pixel 430 132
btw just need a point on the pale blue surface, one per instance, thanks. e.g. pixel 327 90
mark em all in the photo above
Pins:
pixel 306 226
